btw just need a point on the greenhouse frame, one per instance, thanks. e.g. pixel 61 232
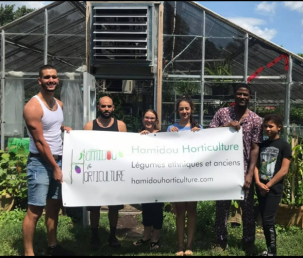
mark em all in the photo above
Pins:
pixel 146 54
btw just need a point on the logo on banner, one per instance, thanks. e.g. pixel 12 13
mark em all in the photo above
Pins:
pixel 92 155
pixel 98 155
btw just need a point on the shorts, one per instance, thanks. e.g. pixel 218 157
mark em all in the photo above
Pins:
pixel 110 207
pixel 41 184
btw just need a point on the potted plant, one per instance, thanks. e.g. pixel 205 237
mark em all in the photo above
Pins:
pixel 235 218
pixel 13 181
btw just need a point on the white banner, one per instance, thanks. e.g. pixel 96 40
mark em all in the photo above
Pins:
pixel 110 168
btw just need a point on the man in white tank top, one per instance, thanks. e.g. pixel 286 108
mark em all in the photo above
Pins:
pixel 44 121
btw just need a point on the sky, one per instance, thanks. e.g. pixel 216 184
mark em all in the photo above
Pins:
pixel 279 22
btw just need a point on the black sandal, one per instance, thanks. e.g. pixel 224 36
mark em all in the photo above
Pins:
pixel 141 242
pixel 154 245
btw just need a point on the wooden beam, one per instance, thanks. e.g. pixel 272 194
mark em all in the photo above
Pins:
pixel 88 32
pixel 160 63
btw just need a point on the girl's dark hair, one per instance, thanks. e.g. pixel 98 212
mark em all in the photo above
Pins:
pixel 188 99
pixel 156 122
pixel 277 119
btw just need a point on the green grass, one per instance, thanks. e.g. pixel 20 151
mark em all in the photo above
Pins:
pixel 74 237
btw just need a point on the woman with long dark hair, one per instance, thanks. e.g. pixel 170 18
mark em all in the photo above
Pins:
pixel 152 213
pixel 185 108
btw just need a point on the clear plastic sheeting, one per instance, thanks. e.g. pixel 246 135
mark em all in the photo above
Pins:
pixel 14 104
pixel 71 97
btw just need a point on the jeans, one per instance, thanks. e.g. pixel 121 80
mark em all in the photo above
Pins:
pixel 41 184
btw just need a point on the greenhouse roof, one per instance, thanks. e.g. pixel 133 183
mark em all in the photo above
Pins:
pixel 67 45
pixel 225 42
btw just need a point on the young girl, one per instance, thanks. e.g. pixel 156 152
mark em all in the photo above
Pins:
pixel 152 213
pixel 185 108
pixel 274 159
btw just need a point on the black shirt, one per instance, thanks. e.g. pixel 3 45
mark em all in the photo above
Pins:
pixel 112 128
pixel 271 155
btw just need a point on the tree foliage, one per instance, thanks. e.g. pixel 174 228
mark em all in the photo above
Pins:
pixel 300 54
pixel 8 14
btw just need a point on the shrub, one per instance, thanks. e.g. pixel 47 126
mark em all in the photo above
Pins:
pixel 13 174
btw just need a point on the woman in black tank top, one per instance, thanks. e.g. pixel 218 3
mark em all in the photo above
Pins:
pixel 152 213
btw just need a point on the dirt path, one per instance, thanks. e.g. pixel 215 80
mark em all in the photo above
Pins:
pixel 129 224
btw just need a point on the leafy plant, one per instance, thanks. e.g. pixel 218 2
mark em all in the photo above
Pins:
pixel 13 174
pixel 296 112
pixel 223 87
pixel 187 88
pixel 219 68
pixel 295 175
pixel 15 215
pixel 298 173
pixel 235 204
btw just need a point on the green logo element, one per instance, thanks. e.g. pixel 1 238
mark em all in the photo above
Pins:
pixel 98 155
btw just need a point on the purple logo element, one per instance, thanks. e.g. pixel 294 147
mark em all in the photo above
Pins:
pixel 77 169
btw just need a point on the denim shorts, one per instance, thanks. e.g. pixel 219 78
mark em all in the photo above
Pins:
pixel 41 184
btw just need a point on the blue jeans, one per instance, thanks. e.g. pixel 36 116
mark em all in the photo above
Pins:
pixel 41 184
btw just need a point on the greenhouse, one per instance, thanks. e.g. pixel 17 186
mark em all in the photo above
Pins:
pixel 144 55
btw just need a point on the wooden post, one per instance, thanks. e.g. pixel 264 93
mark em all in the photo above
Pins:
pixel 160 63
pixel 294 142
pixel 88 32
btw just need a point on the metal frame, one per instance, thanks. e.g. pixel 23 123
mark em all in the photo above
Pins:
pixel 188 76
pixel 202 72
pixel 2 87
pixel 202 78
pixel 173 78
pixel 287 99
pixel 246 58
pixel 30 15
pixel 45 36
pixel 45 53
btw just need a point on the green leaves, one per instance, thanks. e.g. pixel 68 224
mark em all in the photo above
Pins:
pixel 235 204
pixel 7 13
pixel 293 183
pixel 13 177
pixel 5 156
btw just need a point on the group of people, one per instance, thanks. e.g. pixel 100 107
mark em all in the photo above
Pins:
pixel 265 165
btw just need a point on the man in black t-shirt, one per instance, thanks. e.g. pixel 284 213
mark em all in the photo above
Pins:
pixel 105 122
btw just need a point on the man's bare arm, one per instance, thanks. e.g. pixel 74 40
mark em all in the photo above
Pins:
pixel 253 162
pixel 122 126
pixel 32 114
pixel 88 126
